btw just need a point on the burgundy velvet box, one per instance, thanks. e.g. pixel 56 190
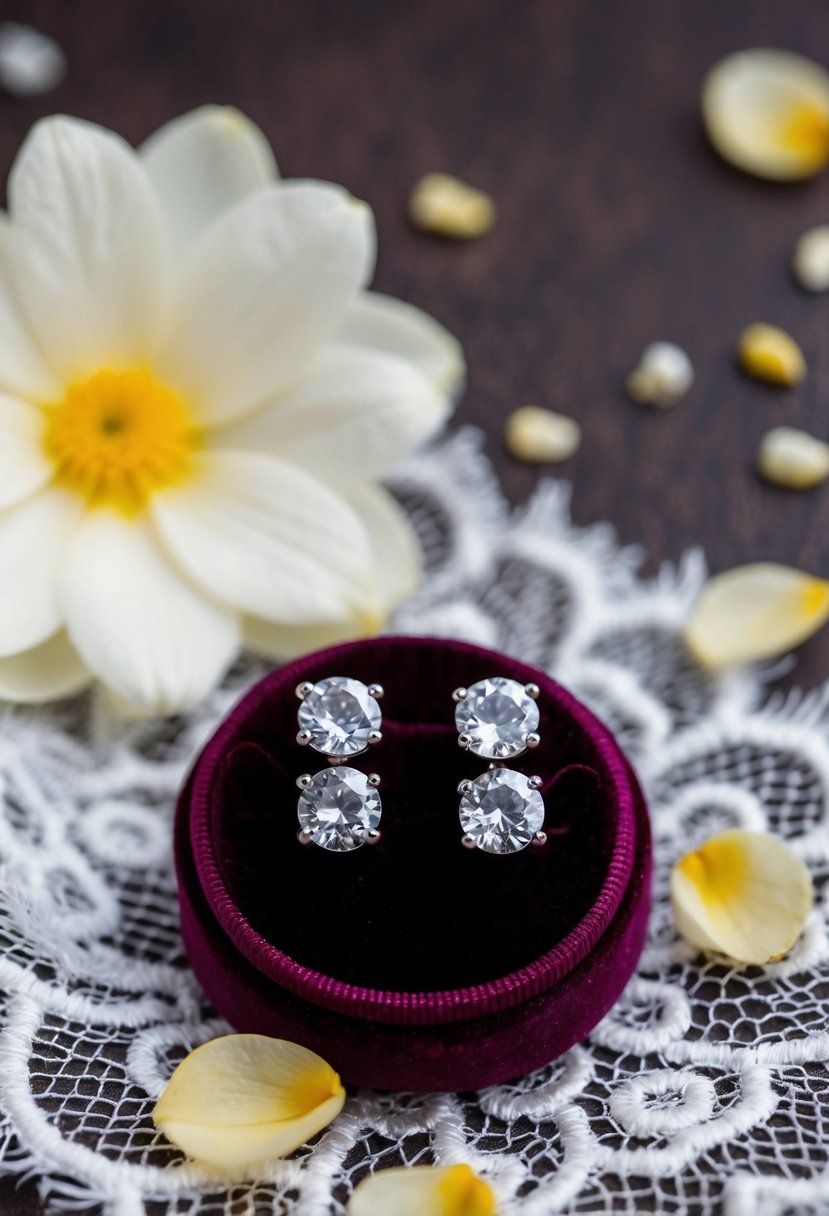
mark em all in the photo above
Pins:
pixel 415 963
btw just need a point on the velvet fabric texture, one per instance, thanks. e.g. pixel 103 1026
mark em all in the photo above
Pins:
pixel 414 963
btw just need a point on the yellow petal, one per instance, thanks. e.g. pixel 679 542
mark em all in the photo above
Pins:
pixel 742 894
pixel 423 1190
pixel 245 1099
pixel 445 205
pixel 767 112
pixel 755 612
pixel 769 353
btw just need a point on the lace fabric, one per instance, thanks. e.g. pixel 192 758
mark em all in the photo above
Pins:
pixel 704 1090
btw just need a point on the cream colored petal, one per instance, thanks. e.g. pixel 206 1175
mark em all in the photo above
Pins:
pixel 755 612
pixel 87 246
pixel 245 1099
pixel 142 629
pixel 260 291
pixel 423 1190
pixel 267 538
pixel 202 163
pixel 349 420
pixel 48 671
pixel 383 323
pixel 767 112
pixel 24 370
pixel 24 466
pixel 743 894
pixel 396 561
pixel 33 536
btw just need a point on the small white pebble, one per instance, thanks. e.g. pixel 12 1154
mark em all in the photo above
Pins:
pixel 810 262
pixel 449 207
pixel 793 459
pixel 30 62
pixel 663 377
pixel 767 352
pixel 540 436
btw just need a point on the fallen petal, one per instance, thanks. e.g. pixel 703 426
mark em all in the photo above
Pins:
pixel 793 459
pixel 245 1099
pixel 449 207
pixel 769 353
pixel 30 62
pixel 742 894
pixel 663 376
pixel 540 436
pixel 423 1190
pixel 767 112
pixel 810 261
pixel 755 612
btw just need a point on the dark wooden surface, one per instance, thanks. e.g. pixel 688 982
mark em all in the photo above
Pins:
pixel 617 224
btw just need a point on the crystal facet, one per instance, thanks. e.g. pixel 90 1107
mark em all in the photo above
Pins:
pixel 497 715
pixel 339 714
pixel 339 808
pixel 501 811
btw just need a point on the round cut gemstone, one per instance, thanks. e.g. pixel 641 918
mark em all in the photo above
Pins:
pixel 339 714
pixel 501 811
pixel 497 714
pixel 339 808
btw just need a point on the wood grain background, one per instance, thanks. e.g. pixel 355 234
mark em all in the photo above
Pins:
pixel 618 225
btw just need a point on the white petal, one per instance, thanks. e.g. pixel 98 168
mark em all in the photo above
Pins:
pixel 33 535
pixel 24 466
pixel 396 559
pixel 349 420
pixel 267 538
pixel 767 112
pixel 202 163
pixel 86 246
pixel 24 370
pixel 395 549
pixel 143 631
pixel 384 323
pixel 50 670
pixel 260 290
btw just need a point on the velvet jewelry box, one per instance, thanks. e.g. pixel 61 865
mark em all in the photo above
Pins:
pixel 414 963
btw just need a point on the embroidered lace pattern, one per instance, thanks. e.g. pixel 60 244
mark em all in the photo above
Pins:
pixel 705 1090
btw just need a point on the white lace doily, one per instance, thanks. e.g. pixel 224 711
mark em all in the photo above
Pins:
pixel 704 1090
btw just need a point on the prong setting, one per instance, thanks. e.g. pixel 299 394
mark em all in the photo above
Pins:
pixel 303 689
pixel 535 783
pixel 532 691
pixel 533 739
pixel 459 694
pixel 304 781
pixel 373 836
pixel 464 787
pixel 539 839
pixel 374 779
pixel 377 691
pixel 304 837
pixel 375 737
pixel 469 842
pixel 303 737
pixel 465 740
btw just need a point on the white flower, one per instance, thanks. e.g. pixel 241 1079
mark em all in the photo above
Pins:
pixel 197 398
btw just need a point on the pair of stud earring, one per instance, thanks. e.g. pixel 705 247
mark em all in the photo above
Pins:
pixel 339 808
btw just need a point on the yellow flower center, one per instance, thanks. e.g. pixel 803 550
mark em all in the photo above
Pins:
pixel 119 436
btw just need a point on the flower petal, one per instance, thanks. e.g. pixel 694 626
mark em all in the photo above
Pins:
pixel 24 466
pixel 423 1190
pixel 755 612
pixel 24 370
pixel 33 536
pixel 767 112
pixel 202 163
pixel 349 420
pixel 383 323
pixel 396 560
pixel 743 894
pixel 244 1099
pixel 86 246
pixel 260 290
pixel 145 632
pixel 48 671
pixel 267 538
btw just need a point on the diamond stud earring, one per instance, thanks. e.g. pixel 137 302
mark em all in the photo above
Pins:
pixel 339 807
pixel 501 811
pixel 497 718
